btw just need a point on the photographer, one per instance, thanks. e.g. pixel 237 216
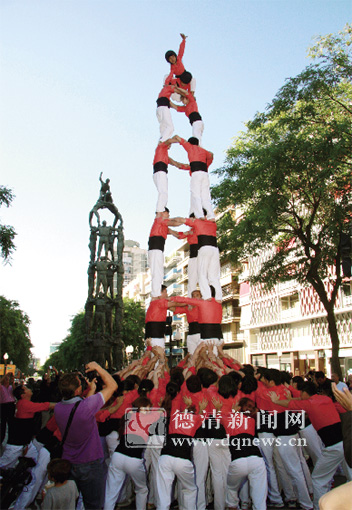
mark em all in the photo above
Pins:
pixel 83 446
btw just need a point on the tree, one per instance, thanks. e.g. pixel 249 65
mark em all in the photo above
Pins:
pixel 14 333
pixel 290 173
pixel 70 354
pixel 133 323
pixel 7 233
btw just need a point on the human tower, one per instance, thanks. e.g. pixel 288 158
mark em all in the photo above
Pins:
pixel 204 262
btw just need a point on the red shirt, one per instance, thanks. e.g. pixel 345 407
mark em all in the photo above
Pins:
pixel 177 68
pixel 238 423
pixel 27 409
pixel 159 228
pixel 161 154
pixel 202 227
pixel 263 399
pixel 191 313
pixel 191 236
pixel 210 312
pixel 320 409
pixel 157 311
pixel 196 153
pixel 190 107
pixel 167 91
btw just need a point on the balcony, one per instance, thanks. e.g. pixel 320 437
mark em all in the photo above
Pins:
pixel 172 275
pixel 183 277
pixel 174 290
pixel 230 291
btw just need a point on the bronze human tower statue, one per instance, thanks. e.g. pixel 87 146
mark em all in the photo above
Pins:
pixel 104 305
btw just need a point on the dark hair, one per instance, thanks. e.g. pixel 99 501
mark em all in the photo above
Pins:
pixel 185 77
pixel 274 375
pixel 176 376
pixel 319 375
pixel 18 392
pixel 128 385
pixel 59 470
pixel 299 381
pixel 227 386
pixel 310 388
pixel 163 287
pixel 285 377
pixel 245 400
pixel 169 54
pixel 172 390
pixel 141 402
pixel 134 378
pixel 193 140
pixel 248 370
pixel 249 384
pixel 68 384
pixel 117 379
pixel 193 384
pixel 192 215
pixel 207 376
pixel 326 389
pixel 166 209
pixel 145 387
pixel 235 376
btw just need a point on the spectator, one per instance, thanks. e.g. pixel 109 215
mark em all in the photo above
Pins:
pixel 339 384
pixel 83 446
pixel 64 494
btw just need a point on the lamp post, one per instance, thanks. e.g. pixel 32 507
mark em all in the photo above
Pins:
pixel 6 357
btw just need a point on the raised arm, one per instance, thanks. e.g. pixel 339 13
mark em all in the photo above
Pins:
pixel 108 381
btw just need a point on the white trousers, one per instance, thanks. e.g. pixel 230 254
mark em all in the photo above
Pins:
pixel 201 464
pixel 267 450
pixel 158 342
pixel 152 455
pixel 253 468
pixel 314 445
pixel 121 466
pixel 200 195
pixel 168 468
pixel 161 183
pixel 166 126
pixel 197 130
pixel 192 275
pixel 325 469
pixel 292 464
pixel 220 459
pixel 112 440
pixel 192 342
pixel 156 265
pixel 38 473
pixel 209 271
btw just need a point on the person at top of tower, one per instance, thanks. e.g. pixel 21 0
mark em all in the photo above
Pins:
pixel 190 108
pixel 178 69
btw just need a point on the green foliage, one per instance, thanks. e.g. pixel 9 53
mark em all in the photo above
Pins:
pixel 14 334
pixel 70 354
pixel 289 175
pixel 7 233
pixel 133 323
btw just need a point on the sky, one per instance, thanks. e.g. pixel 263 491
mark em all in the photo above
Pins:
pixel 78 85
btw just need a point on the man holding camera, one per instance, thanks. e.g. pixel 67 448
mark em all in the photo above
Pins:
pixel 82 446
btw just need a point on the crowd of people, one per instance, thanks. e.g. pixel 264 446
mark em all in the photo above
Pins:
pixel 209 431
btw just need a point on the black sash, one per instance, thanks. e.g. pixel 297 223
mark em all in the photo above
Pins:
pixel 210 331
pixel 156 243
pixel 193 117
pixel 160 166
pixel 193 251
pixel 198 166
pixel 207 241
pixel 155 329
pixel 163 101
pixel 193 328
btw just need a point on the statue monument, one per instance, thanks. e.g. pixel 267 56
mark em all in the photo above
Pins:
pixel 104 305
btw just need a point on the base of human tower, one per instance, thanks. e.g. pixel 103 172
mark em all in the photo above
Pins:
pixel 156 365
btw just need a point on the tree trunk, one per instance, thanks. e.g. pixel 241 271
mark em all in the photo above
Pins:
pixel 335 343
